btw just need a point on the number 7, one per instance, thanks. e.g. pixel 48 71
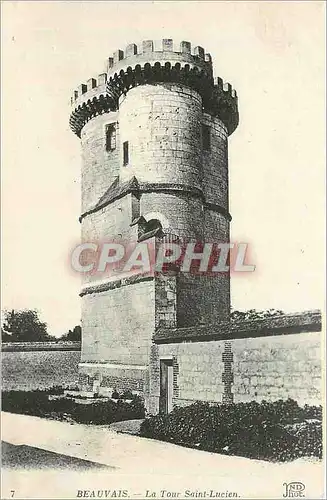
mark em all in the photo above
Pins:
pixel 12 493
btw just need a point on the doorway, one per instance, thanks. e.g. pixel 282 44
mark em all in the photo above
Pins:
pixel 166 386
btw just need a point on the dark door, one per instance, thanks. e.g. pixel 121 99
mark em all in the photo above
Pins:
pixel 166 386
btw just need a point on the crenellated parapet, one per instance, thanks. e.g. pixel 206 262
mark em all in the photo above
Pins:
pixel 89 100
pixel 140 65
pixel 120 83
pixel 223 103
pixel 148 52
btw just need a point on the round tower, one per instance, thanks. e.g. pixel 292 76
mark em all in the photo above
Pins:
pixel 154 130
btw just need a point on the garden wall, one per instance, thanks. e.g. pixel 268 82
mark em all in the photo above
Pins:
pixel 26 367
pixel 271 359
pixel 278 367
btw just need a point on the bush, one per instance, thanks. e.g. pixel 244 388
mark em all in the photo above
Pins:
pixel 103 412
pixel 313 412
pixel 31 403
pixel 34 403
pixel 56 390
pixel 269 430
pixel 308 436
pixel 127 395
pixel 107 412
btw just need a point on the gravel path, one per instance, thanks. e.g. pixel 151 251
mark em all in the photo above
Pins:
pixel 137 464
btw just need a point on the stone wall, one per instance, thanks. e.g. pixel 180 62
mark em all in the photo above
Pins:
pixel 107 225
pixel 215 162
pixel 278 367
pixel 165 300
pixel 200 367
pixel 162 124
pixel 184 215
pixel 273 359
pixel 118 324
pixel 216 227
pixel 39 365
pixel 202 299
pixel 99 166
pixel 113 377
pixel 65 345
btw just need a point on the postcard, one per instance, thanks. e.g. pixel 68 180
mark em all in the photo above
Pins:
pixel 163 250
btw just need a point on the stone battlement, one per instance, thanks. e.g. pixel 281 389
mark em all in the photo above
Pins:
pixel 144 65
pixel 164 45
pixel 149 51
pixel 93 87
pixel 142 54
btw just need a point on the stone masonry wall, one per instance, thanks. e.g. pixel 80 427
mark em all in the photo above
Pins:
pixel 99 166
pixel 215 163
pixel 183 214
pixel 163 126
pixel 199 298
pixel 278 367
pixel 165 300
pixel 31 367
pixel 111 223
pixel 216 227
pixel 197 371
pixel 113 377
pixel 270 367
pixel 118 324
pixel 202 299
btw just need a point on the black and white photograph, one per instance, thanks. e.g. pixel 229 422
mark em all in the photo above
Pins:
pixel 163 249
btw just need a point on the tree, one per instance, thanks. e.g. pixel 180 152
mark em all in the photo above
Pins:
pixel 73 335
pixel 23 326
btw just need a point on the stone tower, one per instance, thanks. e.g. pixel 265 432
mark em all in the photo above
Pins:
pixel 154 131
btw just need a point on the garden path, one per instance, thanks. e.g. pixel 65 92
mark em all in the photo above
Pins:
pixel 137 464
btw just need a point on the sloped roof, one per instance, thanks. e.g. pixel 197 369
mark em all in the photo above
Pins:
pixel 307 321
pixel 115 191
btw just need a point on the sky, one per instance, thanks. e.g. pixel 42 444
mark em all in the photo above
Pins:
pixel 273 55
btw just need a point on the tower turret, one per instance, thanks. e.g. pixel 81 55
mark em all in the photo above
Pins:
pixel 154 131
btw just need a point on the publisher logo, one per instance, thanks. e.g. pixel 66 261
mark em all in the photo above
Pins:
pixel 295 489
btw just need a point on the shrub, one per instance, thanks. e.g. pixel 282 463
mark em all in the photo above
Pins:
pixel 313 412
pixel 102 412
pixel 31 403
pixel 127 395
pixel 308 438
pixel 56 390
pixel 107 412
pixel 262 431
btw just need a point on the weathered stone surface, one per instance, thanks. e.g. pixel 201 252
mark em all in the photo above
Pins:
pixel 154 133
pixel 118 325
pixel 278 367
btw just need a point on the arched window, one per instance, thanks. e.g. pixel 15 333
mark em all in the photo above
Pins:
pixel 165 224
pixel 149 229
pixel 152 225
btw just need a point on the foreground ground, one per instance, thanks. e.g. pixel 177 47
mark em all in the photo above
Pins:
pixel 49 459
